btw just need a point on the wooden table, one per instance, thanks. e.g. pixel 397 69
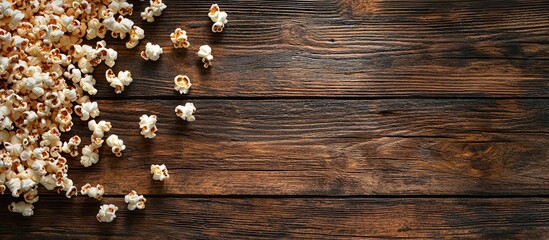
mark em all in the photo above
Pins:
pixel 327 119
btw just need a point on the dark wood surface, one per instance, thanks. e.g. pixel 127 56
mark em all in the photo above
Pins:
pixel 327 119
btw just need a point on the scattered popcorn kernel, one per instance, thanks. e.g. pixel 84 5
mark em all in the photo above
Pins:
pixel 26 209
pixel 148 126
pixel 179 38
pixel 116 144
pixel 135 201
pixel 182 84
pixel 99 129
pixel 124 78
pixel 107 213
pixel 93 192
pixel 87 110
pixel 186 112
pixel 152 52
pixel 154 10
pixel 136 34
pixel 218 17
pixel 205 52
pixel 159 172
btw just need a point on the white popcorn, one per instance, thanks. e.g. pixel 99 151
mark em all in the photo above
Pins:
pixel 182 84
pixel 99 129
pixel 159 172
pixel 71 146
pixel 179 38
pixel 148 126
pixel 93 192
pixel 26 209
pixel 154 10
pixel 124 78
pixel 218 17
pixel 152 52
pixel 107 213
pixel 186 112
pixel 135 201
pixel 116 144
pixel 205 52
pixel 87 110
pixel 136 34
pixel 90 155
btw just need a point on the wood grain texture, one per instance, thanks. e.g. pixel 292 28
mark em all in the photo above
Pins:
pixel 329 147
pixel 295 218
pixel 348 48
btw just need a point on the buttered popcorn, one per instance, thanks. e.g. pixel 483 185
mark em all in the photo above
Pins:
pixel 135 200
pixel 186 112
pixel 179 38
pixel 182 84
pixel 107 213
pixel 93 192
pixel 159 172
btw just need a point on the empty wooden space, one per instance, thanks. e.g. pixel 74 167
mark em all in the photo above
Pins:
pixel 326 119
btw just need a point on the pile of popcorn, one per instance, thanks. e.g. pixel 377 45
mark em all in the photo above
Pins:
pixel 46 80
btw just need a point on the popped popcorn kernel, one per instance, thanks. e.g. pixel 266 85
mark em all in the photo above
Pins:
pixel 152 52
pixel 148 126
pixel 107 213
pixel 179 38
pixel 159 172
pixel 205 52
pixel 135 201
pixel 182 84
pixel 186 112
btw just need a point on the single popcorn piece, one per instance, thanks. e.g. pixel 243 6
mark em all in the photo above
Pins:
pixel 154 10
pixel 159 172
pixel 135 201
pixel 182 84
pixel 124 78
pixel 99 129
pixel 152 52
pixel 93 192
pixel 107 213
pixel 148 126
pixel 186 112
pixel 87 110
pixel 205 52
pixel 179 38
pixel 26 209
pixel 218 17
pixel 116 144
pixel 136 34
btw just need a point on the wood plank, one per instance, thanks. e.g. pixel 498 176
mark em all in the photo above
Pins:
pixel 329 147
pixel 214 218
pixel 348 48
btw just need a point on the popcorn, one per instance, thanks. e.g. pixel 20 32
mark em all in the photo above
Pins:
pixel 93 192
pixel 136 34
pixel 90 155
pixel 124 78
pixel 99 129
pixel 71 146
pixel 205 52
pixel 182 84
pixel 148 126
pixel 87 110
pixel 152 52
pixel 154 10
pixel 186 112
pixel 179 38
pixel 116 144
pixel 218 17
pixel 135 201
pixel 26 209
pixel 107 213
pixel 159 172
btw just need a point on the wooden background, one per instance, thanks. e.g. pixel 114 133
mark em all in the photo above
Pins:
pixel 327 119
